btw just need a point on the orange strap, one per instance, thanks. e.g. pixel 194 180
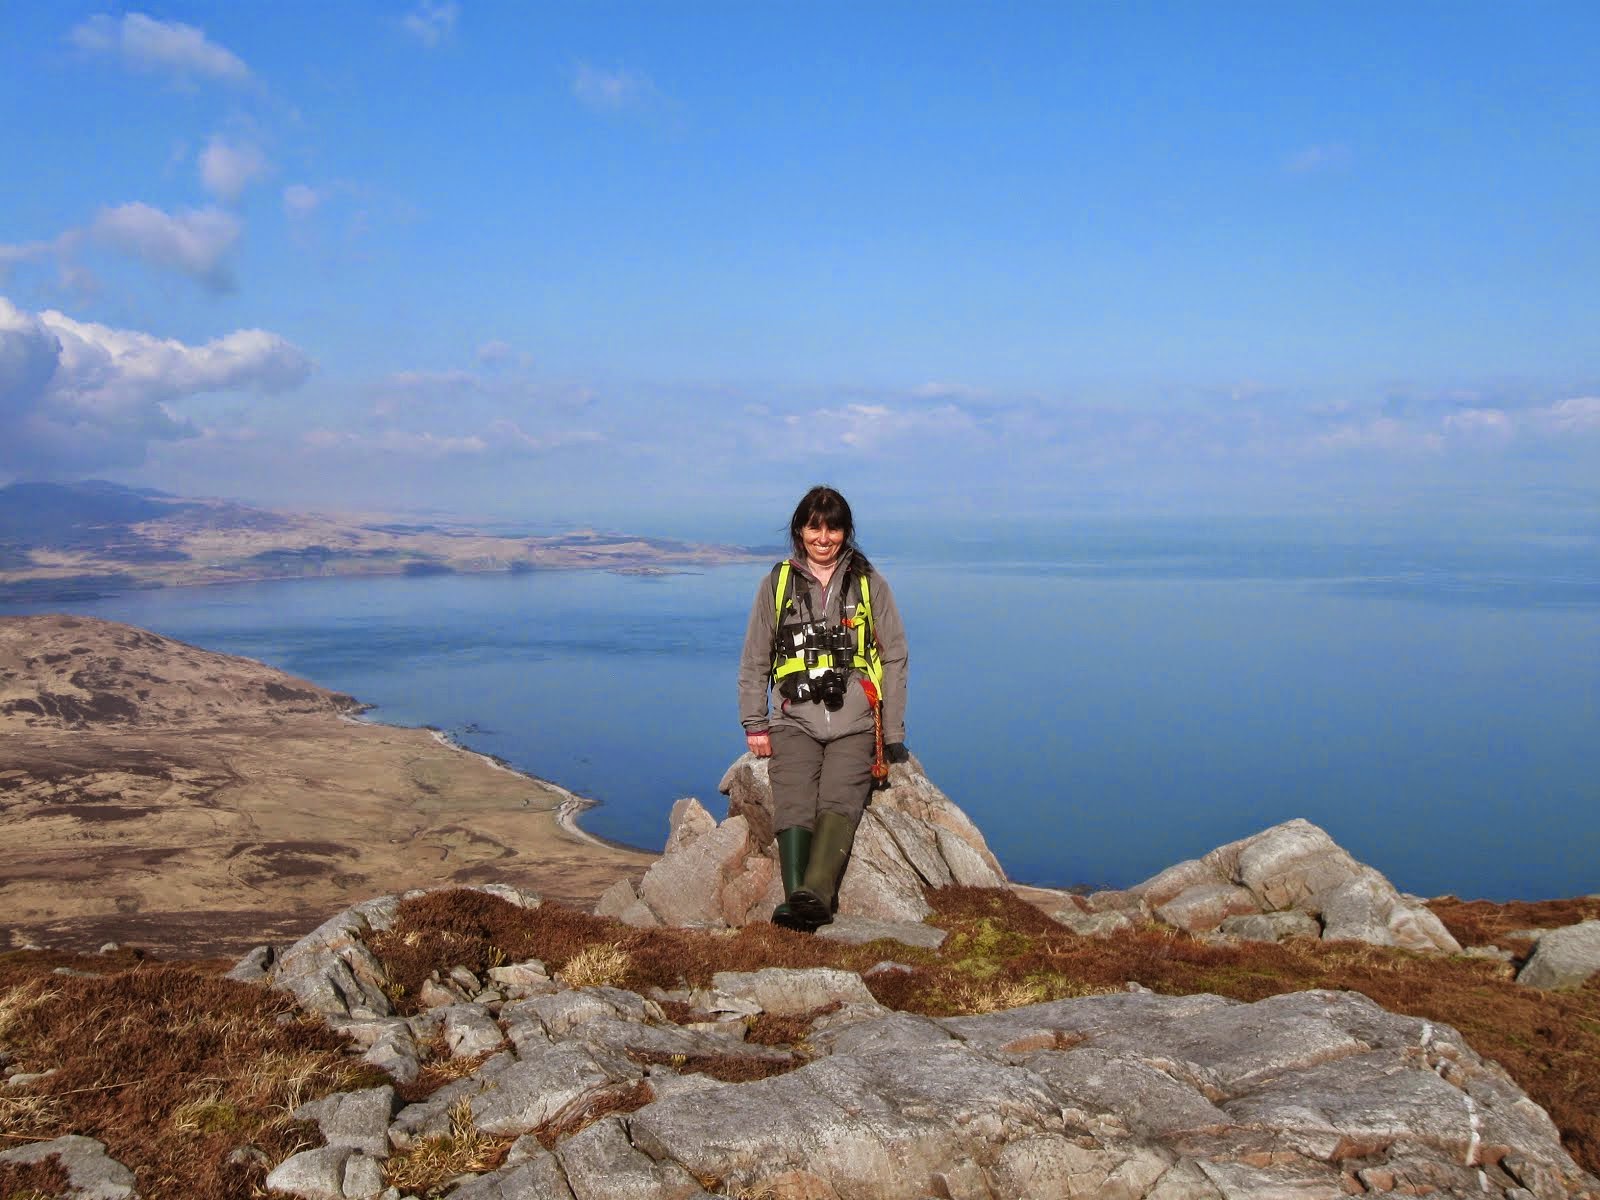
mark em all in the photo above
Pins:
pixel 880 768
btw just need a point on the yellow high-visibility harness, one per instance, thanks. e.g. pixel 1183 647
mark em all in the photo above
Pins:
pixel 865 658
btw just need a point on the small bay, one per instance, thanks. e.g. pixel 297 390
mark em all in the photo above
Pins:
pixel 1103 701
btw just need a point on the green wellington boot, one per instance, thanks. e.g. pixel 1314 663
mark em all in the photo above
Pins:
pixel 794 853
pixel 814 899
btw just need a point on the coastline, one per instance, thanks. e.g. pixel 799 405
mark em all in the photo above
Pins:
pixel 571 806
pixel 197 803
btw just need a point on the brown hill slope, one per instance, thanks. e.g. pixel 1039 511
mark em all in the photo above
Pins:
pixel 155 792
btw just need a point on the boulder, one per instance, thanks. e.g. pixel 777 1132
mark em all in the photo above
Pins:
pixel 911 837
pixel 1563 958
pixel 1292 868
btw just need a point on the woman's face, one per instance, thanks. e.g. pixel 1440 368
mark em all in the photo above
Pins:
pixel 822 544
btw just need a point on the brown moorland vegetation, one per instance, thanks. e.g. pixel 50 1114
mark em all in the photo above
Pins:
pixel 175 1068
pixel 171 1067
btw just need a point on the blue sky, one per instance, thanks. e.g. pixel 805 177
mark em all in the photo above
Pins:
pixel 641 263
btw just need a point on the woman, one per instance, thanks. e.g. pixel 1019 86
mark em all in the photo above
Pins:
pixel 825 635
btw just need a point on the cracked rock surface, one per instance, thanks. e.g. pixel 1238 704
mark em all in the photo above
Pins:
pixel 597 1093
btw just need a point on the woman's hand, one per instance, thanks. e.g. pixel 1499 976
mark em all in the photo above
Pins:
pixel 760 744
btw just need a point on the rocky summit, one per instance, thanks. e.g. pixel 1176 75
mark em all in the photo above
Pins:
pixel 1131 1094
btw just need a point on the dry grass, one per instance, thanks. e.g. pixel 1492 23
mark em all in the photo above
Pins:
pixel 34 1181
pixel 425 1166
pixel 438 1069
pixel 171 1068
pixel 624 1098
pixel 605 964
pixel 1485 922
pixel 730 1068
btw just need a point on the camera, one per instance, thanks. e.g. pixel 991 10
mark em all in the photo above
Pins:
pixel 810 642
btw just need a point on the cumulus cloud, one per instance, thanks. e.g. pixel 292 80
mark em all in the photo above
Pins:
pixel 610 91
pixel 301 200
pixel 146 44
pixel 227 168
pixel 196 242
pixel 431 21
pixel 76 395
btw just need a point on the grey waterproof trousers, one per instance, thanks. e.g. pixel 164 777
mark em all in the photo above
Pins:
pixel 810 777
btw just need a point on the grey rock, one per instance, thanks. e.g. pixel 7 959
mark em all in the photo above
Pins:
pixel 1055 1167
pixel 790 991
pixel 363 1178
pixel 908 1032
pixel 357 1120
pixel 523 974
pixel 252 968
pixel 616 900
pixel 870 1124
pixel 602 1164
pixel 530 1093
pixel 396 1051
pixel 1273 926
pixel 1366 908
pixel 331 971
pixel 1144 1099
pixel 470 1030
pixel 564 1011
pixel 92 1174
pixel 1565 957
pixel 687 822
pixel 440 993
pixel 685 888
pixel 1204 906
pixel 1294 866
pixel 1022 1032
pixel 312 1174
pixel 715 875
pixel 464 979
pixel 533 1176
pixel 1093 924
pixel 622 1036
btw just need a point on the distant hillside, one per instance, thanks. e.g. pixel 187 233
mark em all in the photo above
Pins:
pixel 65 541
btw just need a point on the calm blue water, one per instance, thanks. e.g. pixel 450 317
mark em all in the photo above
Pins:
pixel 1103 702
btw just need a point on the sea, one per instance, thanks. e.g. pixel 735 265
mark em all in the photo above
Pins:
pixel 1104 697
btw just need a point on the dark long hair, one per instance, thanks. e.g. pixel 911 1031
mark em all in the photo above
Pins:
pixel 822 505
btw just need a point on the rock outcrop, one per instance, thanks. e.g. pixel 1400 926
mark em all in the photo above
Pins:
pixel 1564 958
pixel 715 875
pixel 1132 1094
pixel 1291 880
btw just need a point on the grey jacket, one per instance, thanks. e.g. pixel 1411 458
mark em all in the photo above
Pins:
pixel 832 604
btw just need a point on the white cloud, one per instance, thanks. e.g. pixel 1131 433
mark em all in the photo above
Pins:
pixel 610 90
pixel 76 395
pixel 301 200
pixel 195 242
pixel 227 168
pixel 1580 414
pixel 1330 157
pixel 1481 423
pixel 431 21
pixel 146 44
pixel 866 427
pixel 1381 433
